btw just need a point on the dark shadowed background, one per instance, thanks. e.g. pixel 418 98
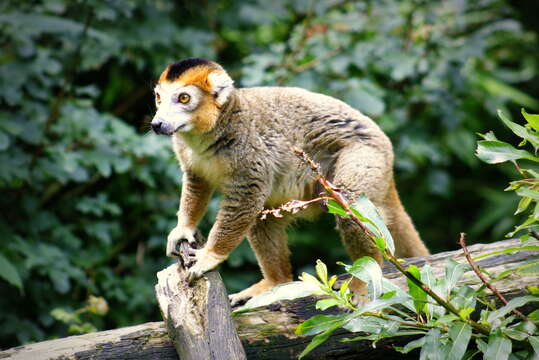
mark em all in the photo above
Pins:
pixel 88 193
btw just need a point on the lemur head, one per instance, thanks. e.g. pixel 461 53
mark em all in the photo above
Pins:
pixel 189 96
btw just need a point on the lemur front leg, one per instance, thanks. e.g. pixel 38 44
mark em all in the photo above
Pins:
pixel 244 197
pixel 268 240
pixel 196 192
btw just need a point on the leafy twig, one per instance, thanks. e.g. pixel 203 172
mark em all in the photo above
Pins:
pixel 338 197
pixel 481 276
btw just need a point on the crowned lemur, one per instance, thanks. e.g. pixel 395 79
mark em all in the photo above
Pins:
pixel 239 141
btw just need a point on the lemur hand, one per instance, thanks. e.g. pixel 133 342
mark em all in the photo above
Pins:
pixel 176 236
pixel 205 261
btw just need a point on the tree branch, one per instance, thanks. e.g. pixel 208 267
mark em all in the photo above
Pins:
pixel 481 276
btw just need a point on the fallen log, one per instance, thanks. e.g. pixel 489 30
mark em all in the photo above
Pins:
pixel 268 332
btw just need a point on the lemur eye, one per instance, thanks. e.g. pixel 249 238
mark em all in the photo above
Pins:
pixel 157 98
pixel 184 98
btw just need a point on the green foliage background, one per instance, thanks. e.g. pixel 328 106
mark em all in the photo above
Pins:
pixel 88 195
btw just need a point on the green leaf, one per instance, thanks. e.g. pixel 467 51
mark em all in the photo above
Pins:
pixel 534 342
pixel 320 323
pixel 406 301
pixel 380 304
pixel 526 191
pixel 288 291
pixel 534 315
pixel 419 296
pixel 368 270
pixel 321 271
pixel 520 131
pixel 344 287
pixel 389 294
pixel 446 319
pixel 512 304
pixel 332 280
pixel 453 273
pixel 464 297
pixel 515 334
pixel 460 333
pixel 306 277
pixel 4 141
pixel 336 208
pixel 9 272
pixel 489 136
pixel 534 290
pixel 319 339
pixel 494 152
pixel 427 276
pixel 507 251
pixel 465 313
pixel 380 243
pixel 532 119
pixel 532 219
pixel 523 204
pixel 433 347
pixel 324 304
pixel 498 348
pixel 411 345
pixel 367 324
pixel 367 209
pixel 481 345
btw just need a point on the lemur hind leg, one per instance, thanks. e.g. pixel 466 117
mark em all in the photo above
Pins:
pixel 407 240
pixel 269 242
pixel 362 170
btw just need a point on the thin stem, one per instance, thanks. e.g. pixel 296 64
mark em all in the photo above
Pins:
pixel 481 276
pixel 336 194
pixel 402 323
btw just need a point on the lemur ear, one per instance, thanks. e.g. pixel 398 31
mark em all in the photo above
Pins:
pixel 221 86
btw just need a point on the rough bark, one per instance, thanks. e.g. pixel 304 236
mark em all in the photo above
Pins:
pixel 268 332
pixel 197 315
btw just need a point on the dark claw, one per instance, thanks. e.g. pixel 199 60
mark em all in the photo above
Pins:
pixel 191 279
pixel 239 302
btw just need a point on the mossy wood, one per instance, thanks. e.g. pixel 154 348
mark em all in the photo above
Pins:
pixel 268 332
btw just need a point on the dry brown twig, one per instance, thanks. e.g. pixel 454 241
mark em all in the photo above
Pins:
pixel 483 278
pixel 292 207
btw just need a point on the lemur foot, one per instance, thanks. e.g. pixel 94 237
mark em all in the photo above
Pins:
pixel 204 260
pixel 243 296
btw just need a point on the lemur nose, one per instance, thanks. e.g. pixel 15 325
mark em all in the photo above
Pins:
pixel 156 125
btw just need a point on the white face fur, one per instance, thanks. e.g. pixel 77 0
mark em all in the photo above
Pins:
pixel 175 105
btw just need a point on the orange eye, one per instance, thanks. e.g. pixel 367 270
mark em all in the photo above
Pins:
pixel 184 98
pixel 157 98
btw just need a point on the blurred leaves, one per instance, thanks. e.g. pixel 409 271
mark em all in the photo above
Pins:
pixel 87 198
pixel 493 151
